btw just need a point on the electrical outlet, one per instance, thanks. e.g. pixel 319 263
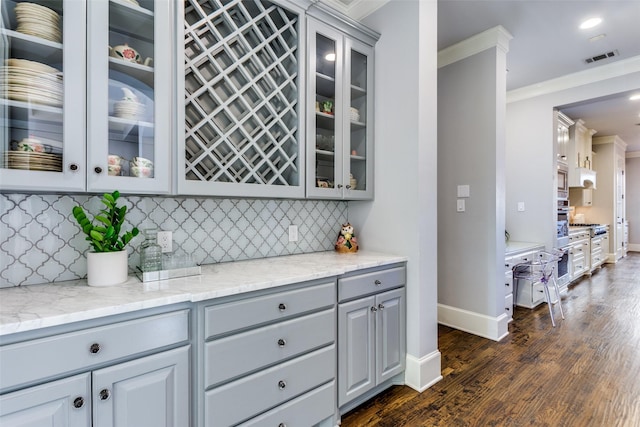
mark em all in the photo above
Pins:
pixel 293 233
pixel 165 240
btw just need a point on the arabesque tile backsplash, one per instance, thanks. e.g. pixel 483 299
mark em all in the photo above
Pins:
pixel 42 243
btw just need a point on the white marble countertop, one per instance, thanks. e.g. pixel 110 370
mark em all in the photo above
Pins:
pixel 515 247
pixel 26 308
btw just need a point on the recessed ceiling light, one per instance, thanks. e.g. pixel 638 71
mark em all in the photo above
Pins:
pixel 590 23
pixel 330 57
pixel 634 97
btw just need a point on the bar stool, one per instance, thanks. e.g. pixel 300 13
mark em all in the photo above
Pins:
pixel 541 270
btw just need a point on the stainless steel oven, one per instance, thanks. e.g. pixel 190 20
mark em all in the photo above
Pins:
pixel 562 224
pixel 563 267
pixel 563 181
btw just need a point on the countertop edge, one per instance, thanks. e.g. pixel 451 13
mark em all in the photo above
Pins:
pixel 28 308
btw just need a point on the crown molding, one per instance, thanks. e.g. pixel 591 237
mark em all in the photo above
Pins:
pixel 603 72
pixel 632 154
pixel 497 36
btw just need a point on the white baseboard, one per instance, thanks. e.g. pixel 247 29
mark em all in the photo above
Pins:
pixel 493 328
pixel 422 373
pixel 634 247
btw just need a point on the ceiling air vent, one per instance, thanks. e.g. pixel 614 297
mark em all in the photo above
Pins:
pixel 601 56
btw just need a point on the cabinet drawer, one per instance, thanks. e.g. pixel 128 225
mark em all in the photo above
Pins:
pixel 308 409
pixel 74 351
pixel 508 282
pixel 247 397
pixel 242 353
pixel 228 317
pixel 371 283
pixel 508 305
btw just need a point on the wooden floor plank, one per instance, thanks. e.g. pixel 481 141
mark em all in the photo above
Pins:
pixel 584 372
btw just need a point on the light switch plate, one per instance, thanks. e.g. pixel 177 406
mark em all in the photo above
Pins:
pixel 520 206
pixel 464 190
pixel 460 207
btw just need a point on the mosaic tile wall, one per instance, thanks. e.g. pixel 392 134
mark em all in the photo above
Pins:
pixel 41 242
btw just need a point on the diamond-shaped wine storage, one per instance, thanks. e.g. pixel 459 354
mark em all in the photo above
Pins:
pixel 242 99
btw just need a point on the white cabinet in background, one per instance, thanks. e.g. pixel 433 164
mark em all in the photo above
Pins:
pixel 339 109
pixel 563 123
pixel 579 252
pixel 68 114
pixel 579 155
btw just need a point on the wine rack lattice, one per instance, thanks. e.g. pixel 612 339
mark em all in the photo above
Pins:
pixel 241 92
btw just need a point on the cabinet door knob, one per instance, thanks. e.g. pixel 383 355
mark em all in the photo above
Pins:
pixel 377 282
pixel 282 425
pixel 105 394
pixel 373 308
pixel 282 384
pixel 78 402
pixel 381 307
pixel 98 169
pixel 94 348
pixel 339 185
pixel 282 306
pixel 73 167
pixel 348 187
pixel 282 342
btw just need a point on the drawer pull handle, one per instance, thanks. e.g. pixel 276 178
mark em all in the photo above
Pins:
pixel 94 348
pixel 282 384
pixel 377 282
pixel 282 306
pixel 78 402
pixel 381 307
pixel 373 308
pixel 105 394
pixel 281 342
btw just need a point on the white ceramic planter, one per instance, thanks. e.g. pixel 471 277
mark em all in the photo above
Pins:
pixel 107 268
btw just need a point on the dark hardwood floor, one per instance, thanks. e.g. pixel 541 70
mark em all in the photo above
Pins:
pixel 584 372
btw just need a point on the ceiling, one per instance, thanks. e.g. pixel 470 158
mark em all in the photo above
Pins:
pixel 546 44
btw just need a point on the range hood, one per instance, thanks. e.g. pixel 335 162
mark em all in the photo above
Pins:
pixel 582 178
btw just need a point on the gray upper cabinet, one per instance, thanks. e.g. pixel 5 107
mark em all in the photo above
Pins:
pixel 84 109
pixel 129 104
pixel 241 128
pixel 42 96
pixel 339 110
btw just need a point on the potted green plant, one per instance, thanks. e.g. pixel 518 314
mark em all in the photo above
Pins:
pixel 107 262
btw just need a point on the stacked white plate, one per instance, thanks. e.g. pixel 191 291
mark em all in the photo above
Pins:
pixel 39 21
pixel 30 81
pixel 355 114
pixel 33 161
pixel 128 109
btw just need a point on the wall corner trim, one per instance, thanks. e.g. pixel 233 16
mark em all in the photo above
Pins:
pixel 497 36
pixel 422 372
pixel 493 328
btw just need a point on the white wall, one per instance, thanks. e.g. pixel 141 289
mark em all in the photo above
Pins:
pixel 471 152
pixel 632 196
pixel 402 218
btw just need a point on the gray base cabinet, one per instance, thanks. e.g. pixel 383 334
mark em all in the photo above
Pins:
pixel 269 358
pixel 101 375
pixel 57 404
pixel 371 331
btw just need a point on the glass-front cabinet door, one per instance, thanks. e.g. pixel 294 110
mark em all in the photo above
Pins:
pixel 129 95
pixel 42 95
pixel 340 114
